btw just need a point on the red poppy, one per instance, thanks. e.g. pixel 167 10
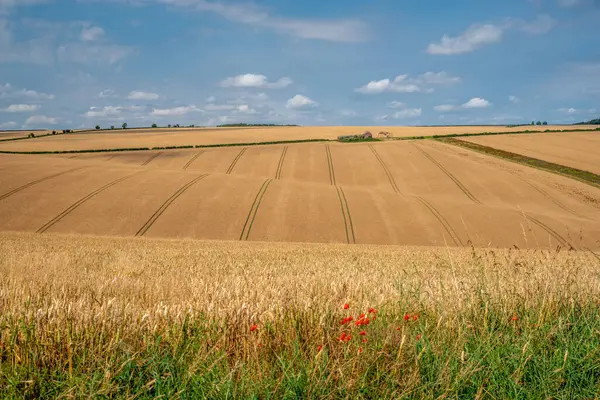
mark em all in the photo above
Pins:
pixel 342 337
pixel 320 347
pixel 347 338
pixel 514 318
pixel 346 306
pixel 346 320
pixel 361 316
pixel 415 317
pixel 419 336
pixel 372 310
pixel 363 333
pixel 407 317
pixel 360 349
pixel 365 340
pixel 398 328
pixel 253 328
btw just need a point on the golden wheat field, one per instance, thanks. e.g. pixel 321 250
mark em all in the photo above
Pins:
pixel 162 137
pixel 421 193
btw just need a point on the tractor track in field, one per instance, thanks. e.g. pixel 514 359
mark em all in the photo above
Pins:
pixel 254 210
pixel 8 194
pixel 385 169
pixel 350 236
pixel 281 161
pixel 75 205
pixel 330 164
pixel 110 158
pixel 449 175
pixel 152 158
pixel 194 157
pixel 442 220
pixel 550 231
pixel 166 205
pixel 235 160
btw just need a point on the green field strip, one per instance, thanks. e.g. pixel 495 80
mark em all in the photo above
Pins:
pixel 166 205
pixel 583 176
pixel 75 205
pixel 254 210
pixel 8 194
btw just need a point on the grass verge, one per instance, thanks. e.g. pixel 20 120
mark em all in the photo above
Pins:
pixel 578 174
pixel 120 318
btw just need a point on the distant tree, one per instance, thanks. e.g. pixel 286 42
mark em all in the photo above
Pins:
pixel 532 122
pixel 544 123
pixel 124 125
pixel 112 127
pixel 154 125
pixel 54 132
pixel 538 123
pixel 169 125
pixel 97 127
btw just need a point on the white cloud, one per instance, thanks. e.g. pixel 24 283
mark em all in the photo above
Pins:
pixel 335 30
pixel 9 124
pixel 476 102
pixel 568 110
pixel 137 95
pixel 32 94
pixel 39 120
pixel 473 38
pixel 405 84
pixel 299 102
pixel 92 34
pixel 479 35
pixel 445 108
pixel 107 93
pixel 396 104
pixel 255 81
pixel 408 113
pixel 514 99
pixel 108 111
pixel 22 108
pixel 164 112
pixel 245 109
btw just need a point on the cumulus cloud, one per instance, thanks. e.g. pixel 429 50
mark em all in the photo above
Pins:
pixel 570 110
pixel 108 111
pixel 137 95
pixel 514 99
pixel 32 94
pixel 476 102
pixel 40 120
pixel 107 93
pixel 92 34
pixel 22 108
pixel 396 104
pixel 9 124
pixel 182 110
pixel 406 84
pixel 245 109
pixel 300 102
pixel 255 81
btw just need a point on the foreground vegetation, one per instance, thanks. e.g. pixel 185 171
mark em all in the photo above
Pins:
pixel 99 317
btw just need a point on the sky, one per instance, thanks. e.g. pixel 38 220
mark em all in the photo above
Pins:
pixel 81 63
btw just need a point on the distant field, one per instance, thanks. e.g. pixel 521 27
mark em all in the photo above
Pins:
pixel 161 137
pixel 18 134
pixel 405 193
pixel 577 149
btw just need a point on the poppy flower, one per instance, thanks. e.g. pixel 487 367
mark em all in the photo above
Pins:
pixel 346 306
pixel 363 333
pixel 398 328
pixel 253 328
pixel 347 338
pixel 407 317
pixel 360 349
pixel 361 316
pixel 372 310
pixel 365 340
pixel 342 337
pixel 419 336
pixel 346 320
pixel 415 317
pixel 320 347
pixel 514 318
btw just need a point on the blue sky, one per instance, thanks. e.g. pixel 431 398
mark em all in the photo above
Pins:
pixel 78 63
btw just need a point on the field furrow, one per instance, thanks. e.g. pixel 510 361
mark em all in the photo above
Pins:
pixel 281 161
pixel 151 158
pixel 194 157
pixel 247 228
pixel 235 160
pixel 30 184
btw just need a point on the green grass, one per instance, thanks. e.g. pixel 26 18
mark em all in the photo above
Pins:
pixel 539 356
pixel 580 175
